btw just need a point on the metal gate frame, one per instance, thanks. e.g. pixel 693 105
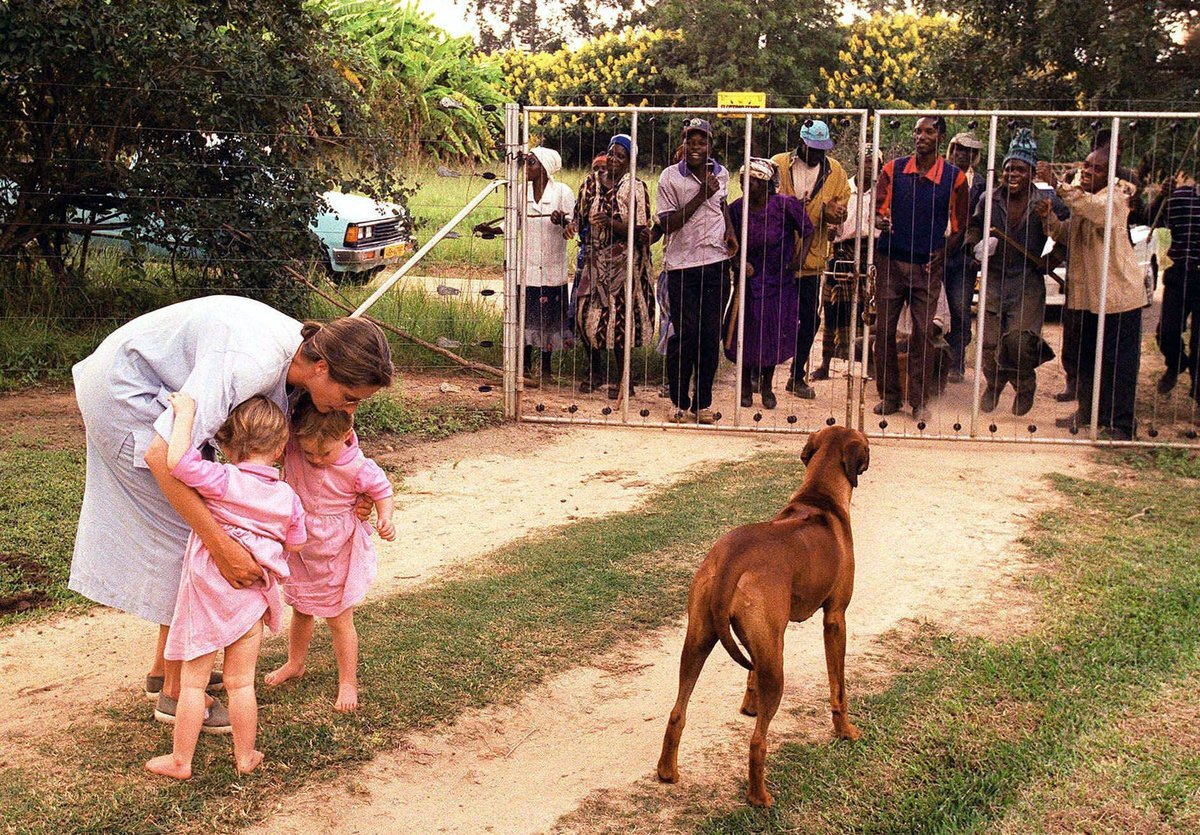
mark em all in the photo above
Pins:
pixel 516 145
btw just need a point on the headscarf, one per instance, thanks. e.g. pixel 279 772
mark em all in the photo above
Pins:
pixel 764 169
pixel 624 140
pixel 1023 148
pixel 549 159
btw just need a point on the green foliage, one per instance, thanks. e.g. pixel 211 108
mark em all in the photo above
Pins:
pixel 400 415
pixel 760 45
pixel 180 120
pixel 891 61
pixel 1077 53
pixel 430 89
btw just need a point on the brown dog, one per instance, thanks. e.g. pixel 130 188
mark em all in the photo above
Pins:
pixel 756 578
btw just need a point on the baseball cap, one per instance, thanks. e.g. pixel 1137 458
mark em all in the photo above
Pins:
pixel 966 139
pixel 815 134
pixel 697 124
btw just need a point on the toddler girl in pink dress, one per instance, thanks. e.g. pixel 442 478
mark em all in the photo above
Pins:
pixel 329 576
pixel 249 501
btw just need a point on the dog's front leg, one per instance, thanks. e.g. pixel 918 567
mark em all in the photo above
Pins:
pixel 835 661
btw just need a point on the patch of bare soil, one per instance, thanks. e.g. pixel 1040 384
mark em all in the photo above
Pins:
pixel 465 497
pixel 936 532
pixel 46 415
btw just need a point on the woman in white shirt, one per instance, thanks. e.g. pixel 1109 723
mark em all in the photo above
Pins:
pixel 549 206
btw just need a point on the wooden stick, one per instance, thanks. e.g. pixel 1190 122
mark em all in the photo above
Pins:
pixel 471 365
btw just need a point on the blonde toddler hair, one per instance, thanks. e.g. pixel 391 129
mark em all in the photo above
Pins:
pixel 255 427
pixel 324 427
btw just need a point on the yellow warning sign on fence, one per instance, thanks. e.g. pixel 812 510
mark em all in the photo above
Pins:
pixel 739 100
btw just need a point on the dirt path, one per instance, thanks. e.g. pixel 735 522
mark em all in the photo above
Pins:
pixel 935 534
pixel 463 498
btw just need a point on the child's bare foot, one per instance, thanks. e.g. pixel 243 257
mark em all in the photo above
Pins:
pixel 247 764
pixel 347 698
pixel 285 673
pixel 168 766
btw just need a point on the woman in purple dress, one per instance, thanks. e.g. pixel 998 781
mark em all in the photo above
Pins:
pixel 777 239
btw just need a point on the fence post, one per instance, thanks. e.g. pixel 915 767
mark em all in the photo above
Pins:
pixel 512 218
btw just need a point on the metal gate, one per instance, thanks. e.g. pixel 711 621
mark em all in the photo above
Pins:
pixel 1160 144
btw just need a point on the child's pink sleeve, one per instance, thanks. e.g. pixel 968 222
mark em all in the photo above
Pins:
pixel 208 478
pixel 296 532
pixel 373 481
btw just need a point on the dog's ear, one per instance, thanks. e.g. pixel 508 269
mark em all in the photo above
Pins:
pixel 856 457
pixel 810 449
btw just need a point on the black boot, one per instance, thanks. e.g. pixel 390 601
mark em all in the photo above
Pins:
pixel 747 391
pixel 769 400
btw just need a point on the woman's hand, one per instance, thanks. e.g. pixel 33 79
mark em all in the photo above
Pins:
pixel 363 507
pixel 234 561
pixel 883 224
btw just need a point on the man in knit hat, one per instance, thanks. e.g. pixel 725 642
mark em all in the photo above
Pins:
pixel 961 267
pixel 1015 298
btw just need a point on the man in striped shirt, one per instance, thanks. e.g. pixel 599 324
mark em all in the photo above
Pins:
pixel 1180 213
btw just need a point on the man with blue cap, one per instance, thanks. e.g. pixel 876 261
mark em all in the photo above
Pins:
pixel 811 175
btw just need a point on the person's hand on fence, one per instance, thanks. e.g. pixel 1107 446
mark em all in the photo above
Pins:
pixel 834 213
pixel 711 185
pixel 1041 208
pixel 883 223
pixel 1045 173
pixel 990 243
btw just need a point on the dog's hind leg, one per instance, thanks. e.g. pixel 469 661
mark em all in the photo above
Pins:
pixel 750 700
pixel 835 662
pixel 700 640
pixel 769 685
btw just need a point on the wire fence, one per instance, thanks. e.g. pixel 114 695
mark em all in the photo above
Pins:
pixel 746 350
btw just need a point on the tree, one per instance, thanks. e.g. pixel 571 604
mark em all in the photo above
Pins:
pixel 1067 53
pixel 209 128
pixel 891 61
pixel 760 45
pixel 438 97
pixel 547 25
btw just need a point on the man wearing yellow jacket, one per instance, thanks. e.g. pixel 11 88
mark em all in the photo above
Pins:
pixel 820 181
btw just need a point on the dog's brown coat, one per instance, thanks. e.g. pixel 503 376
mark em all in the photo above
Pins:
pixel 758 577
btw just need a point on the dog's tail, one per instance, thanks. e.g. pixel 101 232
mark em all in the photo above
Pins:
pixel 721 616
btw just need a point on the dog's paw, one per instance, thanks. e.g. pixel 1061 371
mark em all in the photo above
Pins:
pixel 668 775
pixel 763 800
pixel 848 731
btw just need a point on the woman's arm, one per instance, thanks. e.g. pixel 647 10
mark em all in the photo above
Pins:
pixel 233 561
pixel 181 430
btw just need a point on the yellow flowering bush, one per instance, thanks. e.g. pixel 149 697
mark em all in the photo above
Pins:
pixel 889 61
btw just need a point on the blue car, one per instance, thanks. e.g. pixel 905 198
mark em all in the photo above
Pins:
pixel 360 234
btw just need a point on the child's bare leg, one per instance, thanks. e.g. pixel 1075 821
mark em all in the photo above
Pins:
pixel 189 716
pixel 300 632
pixel 240 658
pixel 345 650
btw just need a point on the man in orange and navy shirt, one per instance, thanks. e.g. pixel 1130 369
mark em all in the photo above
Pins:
pixel 916 199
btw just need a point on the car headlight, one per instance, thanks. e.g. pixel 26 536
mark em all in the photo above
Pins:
pixel 364 233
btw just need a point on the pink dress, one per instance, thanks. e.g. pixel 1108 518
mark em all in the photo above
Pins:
pixel 332 572
pixel 259 511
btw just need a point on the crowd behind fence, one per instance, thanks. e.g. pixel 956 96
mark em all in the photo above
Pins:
pixel 1083 364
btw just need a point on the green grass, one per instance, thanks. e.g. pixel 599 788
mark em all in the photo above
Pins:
pixel 982 734
pixel 484 635
pixel 40 493
pixel 400 415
